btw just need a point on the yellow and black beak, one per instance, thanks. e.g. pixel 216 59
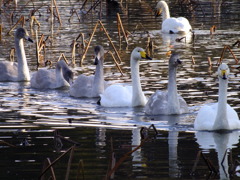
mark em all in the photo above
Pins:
pixel 223 73
pixel 158 12
pixel 144 55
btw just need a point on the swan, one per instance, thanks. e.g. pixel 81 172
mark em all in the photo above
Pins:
pixel 168 102
pixel 91 86
pixel 220 115
pixel 17 71
pixel 118 95
pixel 171 25
pixel 52 79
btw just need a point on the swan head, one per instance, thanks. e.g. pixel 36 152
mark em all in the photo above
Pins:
pixel 99 54
pixel 139 53
pixel 159 8
pixel 21 33
pixel 223 71
pixel 174 60
pixel 67 73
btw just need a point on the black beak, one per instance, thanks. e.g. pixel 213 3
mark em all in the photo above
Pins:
pixel 96 61
pixel 179 61
pixel 147 57
pixel 30 40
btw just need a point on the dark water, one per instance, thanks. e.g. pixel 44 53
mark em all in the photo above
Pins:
pixel 30 118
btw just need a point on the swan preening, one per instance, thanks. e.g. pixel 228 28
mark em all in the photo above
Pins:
pixel 170 24
pixel 52 79
pixel 220 115
pixel 17 71
pixel 91 86
pixel 127 96
pixel 168 102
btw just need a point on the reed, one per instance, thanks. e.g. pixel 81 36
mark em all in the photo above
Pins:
pixel 0 32
pixel 117 64
pixel 222 54
pixel 20 20
pixel 37 49
pixel 122 28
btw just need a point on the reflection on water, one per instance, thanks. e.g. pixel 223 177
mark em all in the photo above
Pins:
pixel 30 118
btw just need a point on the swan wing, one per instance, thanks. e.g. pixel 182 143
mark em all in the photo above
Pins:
pixel 183 105
pixel 82 86
pixel 117 96
pixel 43 79
pixel 176 25
pixel 8 71
pixel 206 117
pixel 233 119
pixel 157 103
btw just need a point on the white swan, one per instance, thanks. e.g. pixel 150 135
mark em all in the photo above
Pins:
pixel 52 79
pixel 220 115
pixel 127 96
pixel 170 24
pixel 17 71
pixel 168 102
pixel 91 86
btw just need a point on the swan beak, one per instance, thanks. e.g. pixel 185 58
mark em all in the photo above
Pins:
pixel 144 55
pixel 223 72
pixel 179 61
pixel 158 12
pixel 96 61
pixel 29 39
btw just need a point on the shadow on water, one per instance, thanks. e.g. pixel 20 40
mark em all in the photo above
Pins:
pixel 37 125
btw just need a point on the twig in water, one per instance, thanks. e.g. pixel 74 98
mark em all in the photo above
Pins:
pixel 122 28
pixel 193 60
pixel 117 64
pixel 222 54
pixel 20 20
pixel 46 163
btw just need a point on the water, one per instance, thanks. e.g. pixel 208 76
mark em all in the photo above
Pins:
pixel 30 118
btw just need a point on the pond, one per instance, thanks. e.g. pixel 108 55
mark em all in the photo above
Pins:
pixel 38 126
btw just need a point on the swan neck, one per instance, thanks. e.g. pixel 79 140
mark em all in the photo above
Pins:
pixel 138 98
pixel 165 12
pixel 23 71
pixel 173 102
pixel 98 83
pixel 221 121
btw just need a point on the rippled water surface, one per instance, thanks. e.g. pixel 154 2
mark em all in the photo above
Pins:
pixel 39 125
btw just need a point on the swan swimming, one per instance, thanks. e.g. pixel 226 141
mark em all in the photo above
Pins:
pixel 168 102
pixel 127 96
pixel 17 71
pixel 91 86
pixel 52 79
pixel 171 25
pixel 220 115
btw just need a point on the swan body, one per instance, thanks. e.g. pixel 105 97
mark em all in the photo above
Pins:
pixel 16 71
pixel 52 79
pixel 170 24
pixel 220 115
pixel 127 96
pixel 168 102
pixel 94 85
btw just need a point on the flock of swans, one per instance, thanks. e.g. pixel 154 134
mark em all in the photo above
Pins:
pixel 217 116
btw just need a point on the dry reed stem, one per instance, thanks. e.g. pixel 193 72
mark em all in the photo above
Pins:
pixel 80 168
pixel 193 60
pixel 55 161
pixel 47 162
pixel 59 18
pixel 37 49
pixel 117 64
pixel 34 19
pixel 83 40
pixel 122 28
pixel 110 40
pixel 12 53
pixel 0 31
pixel 69 162
pixel 89 42
pixel 222 54
pixel 6 143
pixel 74 53
pixel 209 61
pixel 64 58
pixel 20 20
